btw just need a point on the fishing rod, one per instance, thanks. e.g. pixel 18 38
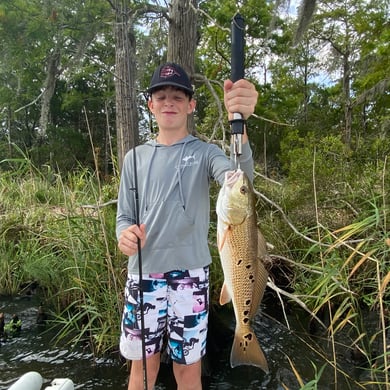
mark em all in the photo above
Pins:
pixel 237 73
pixel 125 39
pixel 140 273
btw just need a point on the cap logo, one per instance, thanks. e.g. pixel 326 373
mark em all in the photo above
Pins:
pixel 168 71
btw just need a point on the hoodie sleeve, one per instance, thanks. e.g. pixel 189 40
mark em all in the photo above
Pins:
pixel 125 216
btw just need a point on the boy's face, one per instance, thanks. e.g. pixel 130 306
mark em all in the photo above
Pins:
pixel 171 106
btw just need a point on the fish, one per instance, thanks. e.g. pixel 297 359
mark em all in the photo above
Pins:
pixel 245 263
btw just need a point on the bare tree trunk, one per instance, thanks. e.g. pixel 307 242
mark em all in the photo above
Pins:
pixel 127 128
pixel 182 38
pixel 53 71
pixel 347 98
pixel 346 85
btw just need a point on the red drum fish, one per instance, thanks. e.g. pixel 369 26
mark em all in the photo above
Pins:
pixel 244 258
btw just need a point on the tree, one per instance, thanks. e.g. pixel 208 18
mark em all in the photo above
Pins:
pixel 127 131
pixel 43 43
pixel 183 38
pixel 335 25
pixel 181 47
pixel 183 34
pixel 372 81
pixel 57 70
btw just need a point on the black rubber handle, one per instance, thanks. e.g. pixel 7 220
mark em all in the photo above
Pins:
pixel 237 48
pixel 237 65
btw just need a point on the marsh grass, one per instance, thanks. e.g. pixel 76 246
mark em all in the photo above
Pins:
pixel 304 385
pixel 348 293
pixel 351 294
pixel 50 237
pixel 54 231
pixel 331 234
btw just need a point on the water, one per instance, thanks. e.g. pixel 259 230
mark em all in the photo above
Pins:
pixel 34 350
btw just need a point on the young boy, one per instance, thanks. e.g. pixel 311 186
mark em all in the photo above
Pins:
pixel 174 172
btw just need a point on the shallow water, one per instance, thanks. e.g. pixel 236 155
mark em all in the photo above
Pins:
pixel 33 350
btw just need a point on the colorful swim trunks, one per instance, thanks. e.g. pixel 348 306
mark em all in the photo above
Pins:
pixel 176 306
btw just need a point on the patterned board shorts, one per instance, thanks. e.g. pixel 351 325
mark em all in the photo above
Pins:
pixel 176 306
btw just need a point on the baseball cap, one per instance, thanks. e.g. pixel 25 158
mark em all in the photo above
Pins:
pixel 171 74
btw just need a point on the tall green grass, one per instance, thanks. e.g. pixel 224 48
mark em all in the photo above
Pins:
pixel 336 243
pixel 332 249
pixel 54 233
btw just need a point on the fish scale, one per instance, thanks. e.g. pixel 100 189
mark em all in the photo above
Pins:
pixel 242 251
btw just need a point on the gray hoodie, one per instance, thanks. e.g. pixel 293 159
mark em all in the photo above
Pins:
pixel 173 193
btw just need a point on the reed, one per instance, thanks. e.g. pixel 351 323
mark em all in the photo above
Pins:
pixel 350 294
pixel 59 231
pixel 51 236
pixel 330 235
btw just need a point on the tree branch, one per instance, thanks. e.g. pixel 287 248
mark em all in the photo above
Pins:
pixel 378 89
pixel 31 103
pixel 289 223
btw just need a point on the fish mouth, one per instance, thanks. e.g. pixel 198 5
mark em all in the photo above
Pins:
pixel 231 177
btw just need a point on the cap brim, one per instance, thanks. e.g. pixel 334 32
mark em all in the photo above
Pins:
pixel 169 83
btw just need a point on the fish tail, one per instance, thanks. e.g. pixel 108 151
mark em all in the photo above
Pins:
pixel 246 351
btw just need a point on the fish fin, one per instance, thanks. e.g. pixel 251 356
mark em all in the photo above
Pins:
pixel 221 238
pixel 246 351
pixel 261 244
pixel 225 296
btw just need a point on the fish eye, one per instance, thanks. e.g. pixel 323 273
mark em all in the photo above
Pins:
pixel 243 190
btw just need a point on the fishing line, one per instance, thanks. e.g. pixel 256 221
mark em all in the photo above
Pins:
pixel 124 29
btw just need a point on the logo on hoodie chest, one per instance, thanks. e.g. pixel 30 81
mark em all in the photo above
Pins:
pixel 188 161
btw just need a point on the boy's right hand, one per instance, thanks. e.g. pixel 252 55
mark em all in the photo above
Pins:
pixel 128 239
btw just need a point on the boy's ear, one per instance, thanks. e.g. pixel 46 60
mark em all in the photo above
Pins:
pixel 150 103
pixel 191 107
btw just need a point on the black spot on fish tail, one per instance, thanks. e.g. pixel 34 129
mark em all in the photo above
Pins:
pixel 247 339
pixel 248 336
pixel 246 319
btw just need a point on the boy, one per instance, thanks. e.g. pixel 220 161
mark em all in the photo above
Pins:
pixel 174 171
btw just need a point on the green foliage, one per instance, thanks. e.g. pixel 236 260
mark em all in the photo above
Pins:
pixel 31 35
pixel 49 236
pixel 336 197
pixel 52 235
pixel 298 89
pixel 341 179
